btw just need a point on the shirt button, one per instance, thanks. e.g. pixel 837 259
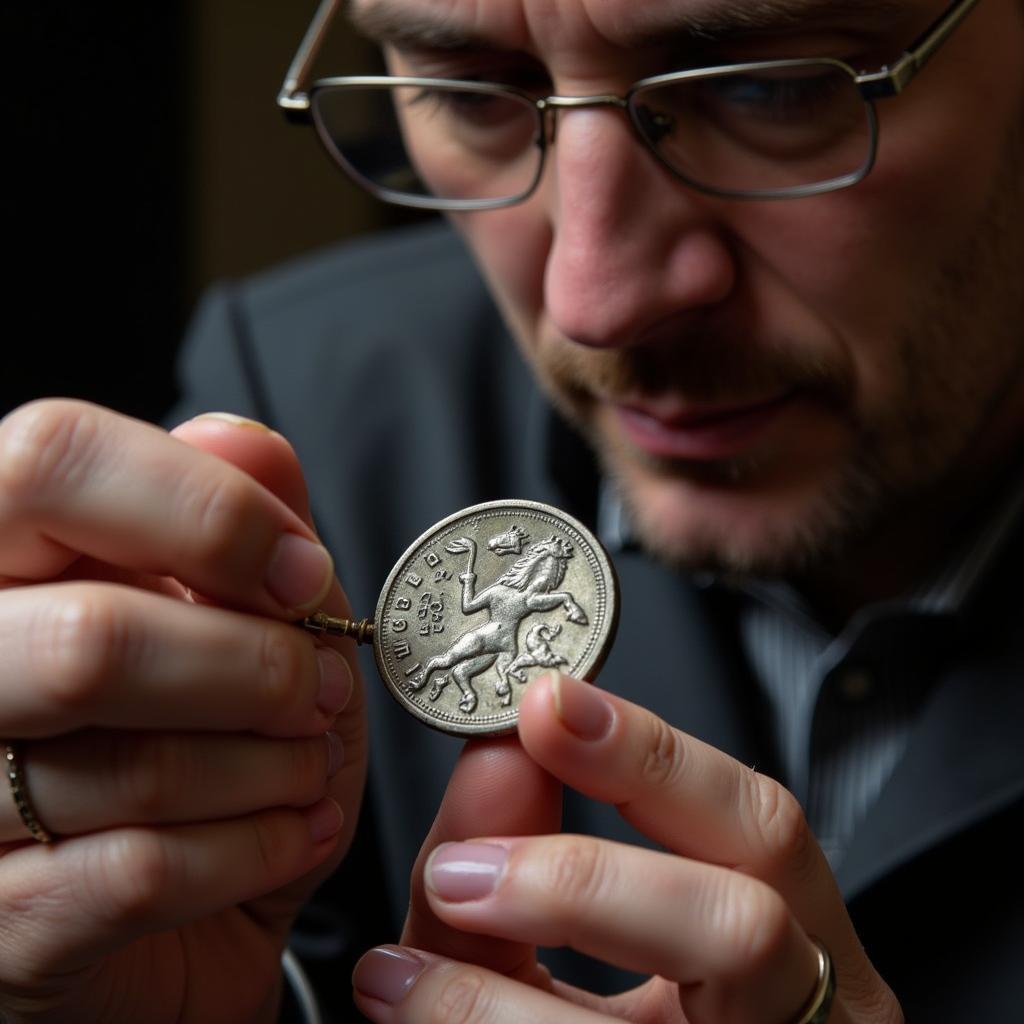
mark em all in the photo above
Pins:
pixel 855 685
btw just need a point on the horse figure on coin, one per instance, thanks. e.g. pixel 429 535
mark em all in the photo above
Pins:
pixel 529 586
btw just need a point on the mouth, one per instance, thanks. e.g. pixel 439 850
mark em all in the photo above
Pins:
pixel 701 433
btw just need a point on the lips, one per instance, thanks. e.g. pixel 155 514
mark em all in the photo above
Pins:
pixel 701 433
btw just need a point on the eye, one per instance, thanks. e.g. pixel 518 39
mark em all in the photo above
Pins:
pixel 787 95
pixel 483 108
pixel 466 123
pixel 454 102
pixel 804 112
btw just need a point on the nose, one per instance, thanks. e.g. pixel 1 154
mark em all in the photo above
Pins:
pixel 633 251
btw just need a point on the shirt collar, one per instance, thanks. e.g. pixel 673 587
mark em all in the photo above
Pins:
pixel 613 526
pixel 958 580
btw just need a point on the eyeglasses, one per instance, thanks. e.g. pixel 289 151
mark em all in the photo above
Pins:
pixel 778 129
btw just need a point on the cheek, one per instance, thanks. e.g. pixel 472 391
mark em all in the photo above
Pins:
pixel 869 262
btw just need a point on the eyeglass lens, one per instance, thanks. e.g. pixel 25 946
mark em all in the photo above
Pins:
pixel 749 132
pixel 431 141
pixel 757 131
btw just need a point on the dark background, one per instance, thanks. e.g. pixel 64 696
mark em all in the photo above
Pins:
pixel 148 160
pixel 145 159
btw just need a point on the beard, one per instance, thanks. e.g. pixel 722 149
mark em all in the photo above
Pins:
pixel 953 368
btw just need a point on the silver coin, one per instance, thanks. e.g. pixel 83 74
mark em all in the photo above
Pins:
pixel 484 601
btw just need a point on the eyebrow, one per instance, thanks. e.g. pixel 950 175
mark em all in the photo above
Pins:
pixel 713 20
pixel 386 21
pixel 395 22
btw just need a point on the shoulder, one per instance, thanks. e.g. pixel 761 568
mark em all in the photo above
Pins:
pixel 399 251
pixel 384 360
pixel 421 275
pixel 402 307
pixel 405 311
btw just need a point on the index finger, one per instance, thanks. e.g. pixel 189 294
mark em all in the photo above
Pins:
pixel 683 793
pixel 76 655
pixel 76 479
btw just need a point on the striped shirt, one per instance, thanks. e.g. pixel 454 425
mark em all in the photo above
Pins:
pixel 843 704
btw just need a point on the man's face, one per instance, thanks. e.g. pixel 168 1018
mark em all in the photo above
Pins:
pixel 767 381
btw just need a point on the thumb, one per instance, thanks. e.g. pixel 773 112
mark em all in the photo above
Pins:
pixel 495 790
pixel 270 460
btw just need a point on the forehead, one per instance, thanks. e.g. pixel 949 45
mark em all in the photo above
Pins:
pixel 557 24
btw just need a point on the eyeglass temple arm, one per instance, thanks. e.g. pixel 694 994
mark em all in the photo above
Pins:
pixel 292 99
pixel 892 80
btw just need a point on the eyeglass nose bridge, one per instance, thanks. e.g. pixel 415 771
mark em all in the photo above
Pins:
pixel 550 105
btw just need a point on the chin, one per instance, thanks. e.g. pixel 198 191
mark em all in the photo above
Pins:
pixel 742 516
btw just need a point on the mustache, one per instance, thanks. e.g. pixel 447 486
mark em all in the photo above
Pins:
pixel 704 366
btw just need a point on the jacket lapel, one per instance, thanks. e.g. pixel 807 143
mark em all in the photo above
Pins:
pixel 964 763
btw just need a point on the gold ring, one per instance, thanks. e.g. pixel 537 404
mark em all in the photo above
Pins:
pixel 817 1009
pixel 16 777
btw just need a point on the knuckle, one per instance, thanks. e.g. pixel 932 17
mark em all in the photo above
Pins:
pixel 81 643
pixel 464 998
pixel 781 830
pixel 221 519
pixel 137 871
pixel 307 769
pixel 664 756
pixel 576 870
pixel 275 845
pixel 280 674
pixel 867 997
pixel 150 771
pixel 43 445
pixel 753 923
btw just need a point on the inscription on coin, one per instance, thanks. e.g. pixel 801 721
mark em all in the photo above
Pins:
pixel 485 600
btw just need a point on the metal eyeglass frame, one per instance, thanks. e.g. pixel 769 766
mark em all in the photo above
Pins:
pixel 295 100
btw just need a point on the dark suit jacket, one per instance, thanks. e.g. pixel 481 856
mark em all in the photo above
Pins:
pixel 388 368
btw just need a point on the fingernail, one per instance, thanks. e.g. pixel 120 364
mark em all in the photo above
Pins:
pixel 324 819
pixel 335 754
pixel 386 973
pixel 581 708
pixel 458 872
pixel 235 420
pixel 335 681
pixel 300 573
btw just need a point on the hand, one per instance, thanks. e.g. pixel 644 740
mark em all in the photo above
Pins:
pixel 172 722
pixel 721 919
